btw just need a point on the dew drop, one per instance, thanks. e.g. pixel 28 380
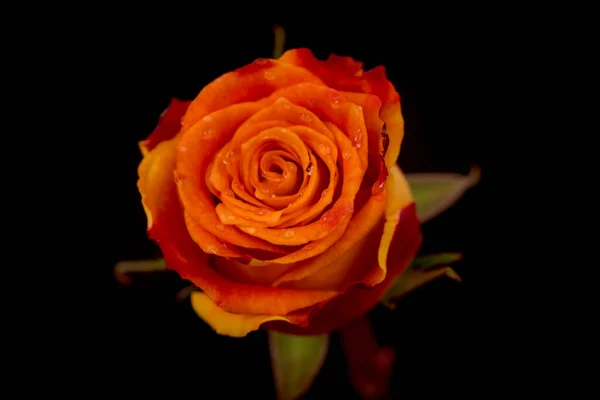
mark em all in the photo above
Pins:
pixel 207 118
pixel 231 217
pixel 220 227
pixel 300 194
pixel 309 169
pixel 305 117
pixel 227 157
pixel 269 75
pixel 324 149
pixel 358 138
pixel 228 193
pixel 207 132
pixel 182 149
pixel 212 249
pixel 346 155
pixel 273 195
pixel 287 105
pixel 326 217
pixel 251 230
pixel 337 102
pixel 261 211
pixel 324 193
pixel 309 247
pixel 289 233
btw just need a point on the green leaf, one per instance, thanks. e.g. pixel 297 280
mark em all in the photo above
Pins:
pixel 296 361
pixel 124 269
pixel 434 260
pixel 421 271
pixel 434 193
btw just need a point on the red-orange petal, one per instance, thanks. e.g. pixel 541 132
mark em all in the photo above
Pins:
pixel 196 148
pixel 168 125
pixel 182 254
pixel 358 298
pixel 235 325
pixel 250 83
pixel 343 73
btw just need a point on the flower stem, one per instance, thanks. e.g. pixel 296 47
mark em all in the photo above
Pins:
pixel 279 33
pixel 369 366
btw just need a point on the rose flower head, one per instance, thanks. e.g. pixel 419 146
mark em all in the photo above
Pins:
pixel 276 192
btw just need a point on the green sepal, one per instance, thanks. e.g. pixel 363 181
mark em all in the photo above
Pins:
pixel 421 271
pixel 124 269
pixel 434 193
pixel 296 361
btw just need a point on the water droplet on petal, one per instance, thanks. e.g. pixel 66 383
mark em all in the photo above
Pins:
pixel 324 149
pixel 305 117
pixel 220 227
pixel 289 233
pixel 231 217
pixel 337 102
pixel 269 75
pixel 300 194
pixel 227 157
pixel 182 149
pixel 358 138
pixel 207 118
pixel 309 169
pixel 251 230
pixel 273 195
pixel 309 247
pixel 211 249
pixel 326 217
pixel 324 193
pixel 287 105
pixel 228 193
pixel 346 155
pixel 261 211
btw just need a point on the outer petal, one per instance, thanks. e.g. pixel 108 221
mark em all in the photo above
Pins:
pixel 359 299
pixel 168 125
pixel 224 323
pixel 399 198
pixel 250 83
pixel 343 73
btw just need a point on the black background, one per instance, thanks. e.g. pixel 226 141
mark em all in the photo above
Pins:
pixel 442 333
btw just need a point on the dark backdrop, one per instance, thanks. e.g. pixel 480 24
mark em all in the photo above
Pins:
pixel 149 342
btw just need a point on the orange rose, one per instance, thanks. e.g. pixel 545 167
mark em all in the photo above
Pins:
pixel 276 192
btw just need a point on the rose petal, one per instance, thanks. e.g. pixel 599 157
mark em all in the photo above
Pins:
pixel 196 148
pixel 168 125
pixel 224 323
pixel 183 255
pixel 246 84
pixel 399 198
pixel 330 105
pixel 208 242
pixel 347 78
pixel 358 298
pixel 342 73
